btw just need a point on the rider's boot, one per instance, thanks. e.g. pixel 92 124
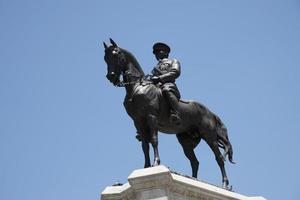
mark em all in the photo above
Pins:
pixel 174 116
pixel 173 101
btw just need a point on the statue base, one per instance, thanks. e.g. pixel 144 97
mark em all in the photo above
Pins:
pixel 159 183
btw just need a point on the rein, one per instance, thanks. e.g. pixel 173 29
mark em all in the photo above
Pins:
pixel 139 80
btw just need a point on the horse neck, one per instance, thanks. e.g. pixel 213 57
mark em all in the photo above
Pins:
pixel 132 65
pixel 132 76
pixel 133 72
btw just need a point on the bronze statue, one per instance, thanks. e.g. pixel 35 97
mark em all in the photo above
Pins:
pixel 165 74
pixel 149 108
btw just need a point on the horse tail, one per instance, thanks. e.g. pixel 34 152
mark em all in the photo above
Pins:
pixel 223 140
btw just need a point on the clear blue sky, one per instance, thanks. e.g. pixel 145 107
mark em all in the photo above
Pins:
pixel 64 133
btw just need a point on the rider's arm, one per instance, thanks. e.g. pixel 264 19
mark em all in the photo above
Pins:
pixel 172 74
pixel 155 72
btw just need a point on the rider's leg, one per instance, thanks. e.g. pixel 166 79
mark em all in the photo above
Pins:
pixel 173 101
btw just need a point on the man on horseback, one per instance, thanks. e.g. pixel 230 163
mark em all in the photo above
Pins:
pixel 164 75
pixel 142 103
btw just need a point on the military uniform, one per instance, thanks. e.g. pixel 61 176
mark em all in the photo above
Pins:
pixel 164 75
pixel 168 70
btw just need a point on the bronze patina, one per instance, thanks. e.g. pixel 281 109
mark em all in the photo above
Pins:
pixel 153 102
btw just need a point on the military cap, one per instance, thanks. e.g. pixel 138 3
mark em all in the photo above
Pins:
pixel 161 46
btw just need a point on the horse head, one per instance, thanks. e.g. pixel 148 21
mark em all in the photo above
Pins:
pixel 120 62
pixel 116 60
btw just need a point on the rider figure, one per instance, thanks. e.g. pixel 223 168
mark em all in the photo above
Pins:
pixel 164 75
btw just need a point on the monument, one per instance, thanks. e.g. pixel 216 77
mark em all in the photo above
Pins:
pixel 153 102
pixel 159 183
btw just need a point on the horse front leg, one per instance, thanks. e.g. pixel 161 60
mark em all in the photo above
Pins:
pixel 143 137
pixel 145 146
pixel 153 129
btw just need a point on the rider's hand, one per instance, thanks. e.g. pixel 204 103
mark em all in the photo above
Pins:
pixel 155 79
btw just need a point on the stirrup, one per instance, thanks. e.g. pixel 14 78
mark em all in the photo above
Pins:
pixel 174 119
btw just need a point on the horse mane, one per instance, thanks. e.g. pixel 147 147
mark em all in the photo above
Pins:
pixel 133 60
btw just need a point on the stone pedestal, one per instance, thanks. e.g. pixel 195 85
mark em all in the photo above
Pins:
pixel 159 183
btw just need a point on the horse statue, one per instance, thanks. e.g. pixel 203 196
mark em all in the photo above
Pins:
pixel 150 113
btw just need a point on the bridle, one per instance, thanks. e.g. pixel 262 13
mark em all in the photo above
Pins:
pixel 140 79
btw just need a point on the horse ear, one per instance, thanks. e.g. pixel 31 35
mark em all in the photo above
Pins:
pixel 105 46
pixel 113 42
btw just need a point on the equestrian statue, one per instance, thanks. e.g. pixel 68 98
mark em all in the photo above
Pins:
pixel 154 104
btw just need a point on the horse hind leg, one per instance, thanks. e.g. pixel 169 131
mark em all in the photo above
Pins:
pixel 188 146
pixel 153 130
pixel 219 158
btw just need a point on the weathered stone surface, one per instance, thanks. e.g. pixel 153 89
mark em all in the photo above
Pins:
pixel 159 183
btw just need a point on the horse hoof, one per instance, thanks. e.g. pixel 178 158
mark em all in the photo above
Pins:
pixel 156 163
pixel 147 165
pixel 227 187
